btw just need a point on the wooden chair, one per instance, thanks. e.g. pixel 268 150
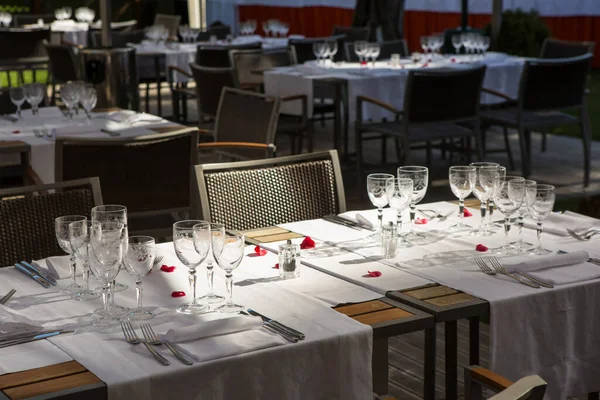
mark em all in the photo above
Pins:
pixel 27 216
pixel 260 193
pixel 529 388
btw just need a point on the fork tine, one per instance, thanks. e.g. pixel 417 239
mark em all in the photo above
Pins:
pixel 151 332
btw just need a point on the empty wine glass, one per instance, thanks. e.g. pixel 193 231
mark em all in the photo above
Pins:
pixel 17 97
pixel 374 51
pixel 266 28
pixel 457 43
pixel 540 202
pixel 508 196
pixel 285 28
pixel 61 229
pixel 425 44
pixel 377 189
pixel 69 94
pixel 420 178
pixel 79 237
pixel 203 233
pixel 332 49
pixel 228 251
pixel 317 48
pixel 138 262
pixel 483 190
pixel 399 193
pixel 360 48
pixel 88 100
pixel 34 94
pixel 183 242
pixel 522 213
pixel 462 179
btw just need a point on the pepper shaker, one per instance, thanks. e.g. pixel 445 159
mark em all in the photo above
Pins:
pixel 289 260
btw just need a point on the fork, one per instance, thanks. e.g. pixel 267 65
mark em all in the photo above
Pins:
pixel 270 328
pixel 495 262
pixel 153 339
pixel 158 259
pixel 132 338
pixel 7 296
pixel 583 236
pixel 501 270
pixel 484 267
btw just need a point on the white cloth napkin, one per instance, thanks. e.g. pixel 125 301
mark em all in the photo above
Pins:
pixel 57 266
pixel 557 224
pixel 216 327
pixel 14 325
pixel 529 263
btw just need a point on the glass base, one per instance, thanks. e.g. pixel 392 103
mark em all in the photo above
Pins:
pixel 86 294
pixel 119 287
pixel 105 322
pixel 140 315
pixel 483 232
pixel 72 289
pixel 413 236
pixel 194 308
pixel 460 228
pixel 230 308
pixel 507 251
pixel 538 251
pixel 214 299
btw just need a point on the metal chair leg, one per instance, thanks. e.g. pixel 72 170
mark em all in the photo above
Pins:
pixel 511 161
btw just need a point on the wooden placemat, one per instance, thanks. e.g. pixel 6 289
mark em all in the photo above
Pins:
pixel 271 234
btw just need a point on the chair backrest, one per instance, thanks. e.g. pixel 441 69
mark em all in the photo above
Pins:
pixel 443 95
pixel 64 63
pixel 30 19
pixel 262 193
pixel 23 43
pixel 120 38
pixel 556 48
pixel 554 84
pixel 171 22
pixel 387 49
pixel 352 33
pixel 209 85
pixel 528 388
pixel 220 31
pixel 27 221
pixel 245 62
pixel 149 174
pixel 218 56
pixel 304 47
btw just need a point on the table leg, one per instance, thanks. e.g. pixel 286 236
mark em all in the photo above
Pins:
pixel 474 341
pixel 337 121
pixel 379 366
pixel 346 120
pixel 451 351
pixel 157 74
pixel 594 396
pixel 429 364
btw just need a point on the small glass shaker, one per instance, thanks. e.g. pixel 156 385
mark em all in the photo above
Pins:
pixel 289 260
pixel 395 60
pixel 213 39
pixel 389 241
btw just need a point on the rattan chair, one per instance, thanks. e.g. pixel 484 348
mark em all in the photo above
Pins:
pixel 218 56
pixel 151 175
pixel 209 86
pixel 17 43
pixel 556 48
pixel 547 89
pixel 27 217
pixel 171 22
pixel 120 38
pixel 438 106
pixel 262 193
pixel 386 50
pixel 529 388
pixel 65 66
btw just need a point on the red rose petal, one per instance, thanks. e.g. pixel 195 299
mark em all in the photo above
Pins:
pixel 260 252
pixel 481 248
pixel 425 65
pixel 307 243
pixel 166 268
pixel 467 213
pixel 421 221
pixel 15 132
pixel 374 274
pixel 276 266
pixel 363 63
pixel 453 60
pixel 178 294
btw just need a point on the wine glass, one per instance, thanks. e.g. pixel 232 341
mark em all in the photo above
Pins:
pixel 360 48
pixel 522 212
pixel 399 193
pixel 79 237
pixel 425 44
pixel 332 49
pixel 89 99
pixel 508 195
pixel 457 43
pixel 61 229
pixel 138 262
pixel 540 202
pixel 106 256
pixel 183 242
pixel 485 45
pixel 70 96
pixel 228 251
pixel 462 179
pixel 17 97
pixel 203 233
pixel 377 189
pixel 483 193
pixel 317 48
pixel 374 51
pixel 34 94
pixel 266 29
pixel 420 178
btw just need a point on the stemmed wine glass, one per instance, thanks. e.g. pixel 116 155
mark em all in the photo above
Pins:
pixel 483 189
pixel 540 202
pixel 420 178
pixel 88 100
pixel 508 195
pixel 17 97
pixel 188 254
pixel 360 48
pixel 457 42
pixel 462 179
pixel 228 251
pixel 399 193
pixel 69 94
pixel 34 94
pixel 138 262
pixel 522 212
pixel 425 45
pixel 61 225
pixel 203 233
pixel 332 47
pixel 79 237
pixel 374 51
pixel 377 189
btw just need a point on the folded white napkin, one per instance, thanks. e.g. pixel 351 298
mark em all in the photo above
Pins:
pixel 557 224
pixel 57 266
pixel 13 325
pixel 216 327
pixel 529 263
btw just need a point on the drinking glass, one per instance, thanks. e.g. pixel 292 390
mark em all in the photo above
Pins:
pixel 88 100
pixel 228 251
pixel 79 237
pixel 332 47
pixel 317 48
pixel 399 193
pixel 508 196
pixel 80 88
pixel 61 229
pixel 360 47
pixel 420 178
pixel 265 27
pixel 540 202
pixel 138 262
pixel 106 256
pixel 462 179
pixel 183 242
pixel 34 94
pixel 374 51
pixel 17 97
pixel 483 190
pixel 377 189
pixel 203 233
pixel 522 212
pixel 425 44
pixel 457 43
pixel 70 96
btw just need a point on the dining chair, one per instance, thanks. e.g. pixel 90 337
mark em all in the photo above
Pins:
pixel 549 92
pixel 352 33
pixel 245 126
pixel 65 65
pixel 220 32
pixel 17 173
pixel 18 43
pixel 171 22
pixel 386 50
pixel 218 56
pixel 261 193
pixel 439 106
pixel 209 86
pixel 151 174
pixel 27 216
pixel 528 388
pixel 120 38
pixel 20 20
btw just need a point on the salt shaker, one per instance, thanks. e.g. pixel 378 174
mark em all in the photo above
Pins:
pixel 389 241
pixel 289 260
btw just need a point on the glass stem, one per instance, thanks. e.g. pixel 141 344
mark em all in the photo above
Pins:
pixel 112 293
pixel 380 218
pixel 209 277
pixel 539 235
pixel 398 222
pixel 490 207
pixel 521 223
pixel 73 265
pixel 138 294
pixel 229 286
pixel 413 212
pixel 461 211
pixel 105 297
pixel 86 275
pixel 506 230
pixel 192 278
pixel 482 209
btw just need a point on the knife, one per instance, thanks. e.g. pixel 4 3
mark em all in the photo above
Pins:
pixel 35 277
pixel 365 223
pixel 278 325
pixel 33 339
pixel 7 296
pixel 341 221
pixel 40 272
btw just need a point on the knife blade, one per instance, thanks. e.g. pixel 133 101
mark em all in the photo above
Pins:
pixel 35 277
pixel 365 223
pixel 33 339
pixel 341 221
pixel 7 296
pixel 279 325
pixel 39 271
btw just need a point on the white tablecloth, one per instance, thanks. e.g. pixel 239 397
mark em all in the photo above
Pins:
pixel 333 361
pixel 550 332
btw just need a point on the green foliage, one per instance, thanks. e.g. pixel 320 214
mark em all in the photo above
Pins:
pixel 14 8
pixel 522 33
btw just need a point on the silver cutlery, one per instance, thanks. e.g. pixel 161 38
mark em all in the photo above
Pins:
pixel 590 260
pixel 503 271
pixel 158 259
pixel 27 339
pixel 279 325
pixel 445 217
pixel 585 236
pixel 7 296
pixel 110 133
pixel 40 272
pixel 131 338
pixel 334 219
pixel 484 267
pixel 495 262
pixel 153 339
pixel 33 275
pixel 272 329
